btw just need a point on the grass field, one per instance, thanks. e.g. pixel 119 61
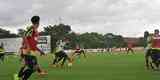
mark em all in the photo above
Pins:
pixel 95 67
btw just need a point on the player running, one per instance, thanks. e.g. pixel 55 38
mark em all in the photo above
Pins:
pixel 2 53
pixel 130 48
pixel 78 52
pixel 28 50
pixel 154 51
pixel 62 53
pixel 147 48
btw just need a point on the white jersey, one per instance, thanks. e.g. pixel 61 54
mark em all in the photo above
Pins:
pixel 60 46
pixel 149 39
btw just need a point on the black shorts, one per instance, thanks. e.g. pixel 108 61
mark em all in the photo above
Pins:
pixel 60 54
pixel 155 54
pixel 2 54
pixel 30 60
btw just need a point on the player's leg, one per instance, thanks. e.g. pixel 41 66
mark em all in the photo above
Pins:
pixel 27 73
pixel 2 57
pixel 65 57
pixel 62 55
pixel 131 49
pixel 31 67
pixel 157 59
pixel 55 59
pixel 155 56
pixel 23 54
pixel 127 50
pixel 147 55
pixel 84 54
pixel 20 73
pixel 37 66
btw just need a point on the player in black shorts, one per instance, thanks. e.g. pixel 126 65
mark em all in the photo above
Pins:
pixel 61 54
pixel 2 53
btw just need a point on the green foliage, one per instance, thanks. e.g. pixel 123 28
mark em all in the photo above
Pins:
pixel 91 40
pixel 85 40
pixel 6 34
pixel 142 42
pixel 21 32
pixel 74 40
pixel 56 32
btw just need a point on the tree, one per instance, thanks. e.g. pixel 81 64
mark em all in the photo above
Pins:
pixel 109 40
pixel 74 40
pixel 21 32
pixel 119 41
pixel 6 34
pixel 112 40
pixel 141 42
pixel 56 32
pixel 91 40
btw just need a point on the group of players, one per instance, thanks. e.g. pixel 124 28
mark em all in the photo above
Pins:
pixel 29 50
pixel 152 49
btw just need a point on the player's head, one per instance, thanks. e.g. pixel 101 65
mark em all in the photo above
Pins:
pixel 146 34
pixel 35 20
pixel 156 31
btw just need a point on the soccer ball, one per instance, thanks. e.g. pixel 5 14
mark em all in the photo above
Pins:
pixel 69 64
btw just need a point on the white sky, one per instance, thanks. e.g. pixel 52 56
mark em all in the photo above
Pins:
pixel 126 17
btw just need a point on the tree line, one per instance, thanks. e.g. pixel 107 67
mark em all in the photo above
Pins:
pixel 85 40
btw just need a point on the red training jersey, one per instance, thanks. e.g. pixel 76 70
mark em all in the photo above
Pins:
pixel 156 41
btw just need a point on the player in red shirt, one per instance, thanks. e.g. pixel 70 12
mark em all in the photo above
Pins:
pixel 156 40
pixel 78 52
pixel 130 48
pixel 28 50
pixel 154 52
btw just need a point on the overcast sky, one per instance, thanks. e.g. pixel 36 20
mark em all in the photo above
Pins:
pixel 125 17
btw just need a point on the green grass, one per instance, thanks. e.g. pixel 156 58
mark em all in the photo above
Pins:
pixel 95 67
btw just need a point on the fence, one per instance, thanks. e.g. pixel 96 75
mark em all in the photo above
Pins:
pixel 12 45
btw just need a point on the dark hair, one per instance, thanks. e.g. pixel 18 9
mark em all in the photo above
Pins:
pixel 35 19
pixel 146 34
pixel 156 30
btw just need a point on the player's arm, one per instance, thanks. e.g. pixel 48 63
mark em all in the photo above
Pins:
pixel 151 40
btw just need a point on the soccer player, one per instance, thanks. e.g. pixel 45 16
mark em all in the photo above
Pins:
pixel 28 50
pixel 78 52
pixel 146 38
pixel 154 52
pixel 62 53
pixel 2 54
pixel 147 50
pixel 130 48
